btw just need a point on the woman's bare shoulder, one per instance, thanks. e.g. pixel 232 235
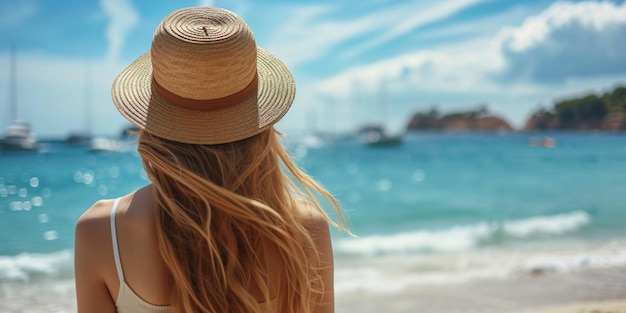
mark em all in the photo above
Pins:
pixel 317 225
pixel 94 219
pixel 315 221
pixel 98 216
pixel 92 240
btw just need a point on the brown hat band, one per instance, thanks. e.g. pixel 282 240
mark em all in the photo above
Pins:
pixel 206 105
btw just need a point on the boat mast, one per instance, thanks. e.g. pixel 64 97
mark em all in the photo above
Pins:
pixel 383 102
pixel 88 99
pixel 12 87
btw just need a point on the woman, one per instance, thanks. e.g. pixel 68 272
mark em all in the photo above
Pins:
pixel 220 228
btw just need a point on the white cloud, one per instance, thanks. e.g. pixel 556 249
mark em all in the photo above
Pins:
pixel 312 31
pixel 411 16
pixel 566 48
pixel 123 17
pixel 12 13
pixel 476 27
pixel 590 15
pixel 306 35
pixel 459 67
pixel 567 40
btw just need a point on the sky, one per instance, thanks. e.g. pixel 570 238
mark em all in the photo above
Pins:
pixel 355 62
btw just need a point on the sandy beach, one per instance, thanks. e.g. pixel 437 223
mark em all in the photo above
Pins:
pixel 584 291
pixel 592 307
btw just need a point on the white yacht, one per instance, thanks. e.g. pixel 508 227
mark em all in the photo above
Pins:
pixel 18 136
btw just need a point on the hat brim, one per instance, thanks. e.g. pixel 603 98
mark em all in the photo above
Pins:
pixel 135 98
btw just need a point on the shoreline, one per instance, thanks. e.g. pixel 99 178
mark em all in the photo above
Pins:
pixel 589 290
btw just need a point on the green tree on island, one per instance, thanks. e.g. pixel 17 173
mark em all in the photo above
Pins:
pixel 589 112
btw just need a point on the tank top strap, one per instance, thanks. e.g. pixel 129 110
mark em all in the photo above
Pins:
pixel 116 251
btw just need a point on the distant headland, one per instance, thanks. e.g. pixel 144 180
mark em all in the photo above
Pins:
pixel 606 112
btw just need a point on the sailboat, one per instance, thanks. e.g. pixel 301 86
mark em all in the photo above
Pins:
pixel 18 135
pixel 375 135
pixel 83 137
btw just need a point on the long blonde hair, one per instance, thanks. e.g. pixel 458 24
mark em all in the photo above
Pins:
pixel 217 205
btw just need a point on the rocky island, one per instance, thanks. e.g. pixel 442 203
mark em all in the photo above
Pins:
pixel 606 112
pixel 473 120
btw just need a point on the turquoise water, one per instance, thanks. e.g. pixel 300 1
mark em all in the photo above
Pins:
pixel 438 209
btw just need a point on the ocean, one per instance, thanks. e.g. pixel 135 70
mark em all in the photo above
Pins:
pixel 440 210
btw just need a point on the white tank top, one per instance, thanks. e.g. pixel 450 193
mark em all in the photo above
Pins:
pixel 127 300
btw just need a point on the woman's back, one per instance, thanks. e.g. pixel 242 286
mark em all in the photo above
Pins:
pixel 145 274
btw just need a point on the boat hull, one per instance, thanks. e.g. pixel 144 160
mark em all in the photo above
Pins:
pixel 19 145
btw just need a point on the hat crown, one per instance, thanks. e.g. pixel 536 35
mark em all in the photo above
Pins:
pixel 204 81
pixel 203 53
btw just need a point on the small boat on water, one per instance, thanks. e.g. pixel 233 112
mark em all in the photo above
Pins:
pixel 78 138
pixel 102 144
pixel 375 139
pixel 18 137
pixel 123 143
pixel 376 136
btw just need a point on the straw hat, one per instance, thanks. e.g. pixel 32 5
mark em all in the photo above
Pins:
pixel 204 81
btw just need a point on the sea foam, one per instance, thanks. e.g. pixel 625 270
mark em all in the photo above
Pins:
pixel 27 267
pixel 464 237
pixel 547 225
